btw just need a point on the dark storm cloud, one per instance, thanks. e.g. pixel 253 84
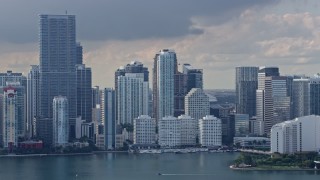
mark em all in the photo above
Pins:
pixel 117 19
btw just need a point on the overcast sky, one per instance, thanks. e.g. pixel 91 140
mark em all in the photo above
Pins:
pixel 216 35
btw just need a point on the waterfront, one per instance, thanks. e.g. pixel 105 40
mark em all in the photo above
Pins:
pixel 122 166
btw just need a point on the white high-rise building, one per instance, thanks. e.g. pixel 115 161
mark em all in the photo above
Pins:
pixel 165 68
pixel 188 130
pixel 299 135
pixel 210 131
pixel 10 117
pixel 300 97
pixel 144 130
pixel 60 121
pixel 197 104
pixel 133 97
pixel 169 132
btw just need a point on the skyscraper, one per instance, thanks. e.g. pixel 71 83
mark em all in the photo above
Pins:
pixel 194 77
pixel 180 91
pixel 108 111
pixel 132 97
pixel 301 97
pixel 165 66
pixel 33 99
pixel 57 69
pixel 84 92
pixel 79 51
pixel 315 95
pixel 60 121
pixel 95 96
pixel 246 86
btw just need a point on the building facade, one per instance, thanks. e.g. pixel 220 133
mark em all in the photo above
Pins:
pixel 84 92
pixel 241 122
pixel 300 97
pixel 315 94
pixel 296 136
pixel 210 133
pixel 108 117
pixel 60 121
pixel 169 132
pixel 144 130
pixel 246 86
pixel 188 130
pixel 197 104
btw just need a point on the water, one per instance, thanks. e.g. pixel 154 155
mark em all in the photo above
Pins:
pixel 122 166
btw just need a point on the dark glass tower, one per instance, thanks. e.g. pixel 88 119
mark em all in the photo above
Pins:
pixel 84 94
pixel 57 69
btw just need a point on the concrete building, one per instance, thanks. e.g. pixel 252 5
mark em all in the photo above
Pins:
pixel 188 130
pixel 296 136
pixel 84 94
pixel 210 133
pixel 197 104
pixel 164 69
pixel 300 97
pixel 241 122
pixel 169 132
pixel 144 130
pixel 58 57
pixel 194 77
pixel 246 86
pixel 133 97
pixel 60 121
pixel 10 118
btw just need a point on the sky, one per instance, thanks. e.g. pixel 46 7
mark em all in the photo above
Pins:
pixel 215 35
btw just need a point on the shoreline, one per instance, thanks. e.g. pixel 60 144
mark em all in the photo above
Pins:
pixel 272 169
pixel 66 154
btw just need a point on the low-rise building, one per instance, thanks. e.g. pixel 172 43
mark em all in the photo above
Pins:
pixel 210 133
pixel 296 136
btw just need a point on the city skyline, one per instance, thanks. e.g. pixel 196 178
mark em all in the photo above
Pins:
pixel 206 39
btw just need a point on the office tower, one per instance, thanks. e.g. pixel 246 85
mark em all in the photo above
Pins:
pixel 225 114
pixel 57 69
pixel 315 95
pixel 10 76
pixel 10 117
pixel 188 130
pixel 96 96
pixel 246 86
pixel 79 54
pixel 300 97
pixel 210 133
pixel 135 67
pixel 133 97
pixel 194 77
pixel 33 99
pixel 60 121
pixel 180 91
pixel 169 132
pixel 144 130
pixel 164 68
pixel 197 104
pixel 241 122
pixel 273 103
pixel 300 135
pixel 108 111
pixel 84 92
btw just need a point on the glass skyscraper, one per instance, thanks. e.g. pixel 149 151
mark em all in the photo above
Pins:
pixel 58 56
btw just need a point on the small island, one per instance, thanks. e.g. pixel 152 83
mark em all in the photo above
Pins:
pixel 301 161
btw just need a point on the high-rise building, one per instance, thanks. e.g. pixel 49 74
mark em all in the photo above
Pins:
pixel 60 121
pixel 272 100
pixel 164 69
pixel 210 133
pixel 58 57
pixel 300 97
pixel 188 130
pixel 180 91
pixel 133 97
pixel 108 117
pixel 33 99
pixel 296 136
pixel 241 123
pixel 225 114
pixel 96 96
pixel 246 86
pixel 79 54
pixel 315 95
pixel 169 132
pixel 10 117
pixel 197 104
pixel 10 77
pixel 144 130
pixel 84 92
pixel 194 77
